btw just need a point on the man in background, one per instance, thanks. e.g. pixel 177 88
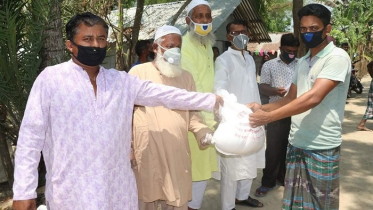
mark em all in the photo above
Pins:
pixel 369 111
pixel 198 59
pixel 236 73
pixel 276 78
pixel 160 135
pixel 142 51
pixel 345 46
pixel 216 52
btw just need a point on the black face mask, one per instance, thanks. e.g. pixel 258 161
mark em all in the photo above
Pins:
pixel 90 56
pixel 313 39
pixel 286 56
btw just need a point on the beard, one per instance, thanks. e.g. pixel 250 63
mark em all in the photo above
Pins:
pixel 209 39
pixel 167 69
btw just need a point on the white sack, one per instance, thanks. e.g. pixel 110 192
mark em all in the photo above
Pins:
pixel 234 135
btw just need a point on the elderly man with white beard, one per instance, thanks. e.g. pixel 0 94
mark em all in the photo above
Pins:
pixel 198 59
pixel 160 135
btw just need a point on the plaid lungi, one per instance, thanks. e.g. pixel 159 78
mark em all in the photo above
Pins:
pixel 312 179
pixel 369 112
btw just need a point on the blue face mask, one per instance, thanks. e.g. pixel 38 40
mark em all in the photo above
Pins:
pixel 312 39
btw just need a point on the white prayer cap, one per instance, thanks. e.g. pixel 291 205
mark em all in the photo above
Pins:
pixel 164 30
pixel 195 3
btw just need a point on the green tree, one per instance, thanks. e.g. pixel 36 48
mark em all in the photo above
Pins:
pixel 353 23
pixel 22 24
pixel 276 15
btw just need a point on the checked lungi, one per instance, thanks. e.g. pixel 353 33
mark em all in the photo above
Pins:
pixel 369 112
pixel 312 179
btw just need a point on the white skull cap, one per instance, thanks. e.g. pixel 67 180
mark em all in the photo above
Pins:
pixel 195 3
pixel 164 30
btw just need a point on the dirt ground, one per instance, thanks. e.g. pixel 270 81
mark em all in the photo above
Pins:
pixel 356 166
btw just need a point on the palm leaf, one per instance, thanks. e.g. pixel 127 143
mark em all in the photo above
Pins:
pixel 21 41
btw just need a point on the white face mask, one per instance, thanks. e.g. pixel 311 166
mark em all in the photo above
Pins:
pixel 172 55
pixel 165 68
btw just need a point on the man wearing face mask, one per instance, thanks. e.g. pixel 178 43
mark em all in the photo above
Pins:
pixel 316 102
pixel 198 59
pixel 79 114
pixel 160 135
pixel 236 73
pixel 277 75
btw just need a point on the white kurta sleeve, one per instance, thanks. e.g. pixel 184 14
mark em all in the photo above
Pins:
pixel 150 94
pixel 31 140
pixel 221 74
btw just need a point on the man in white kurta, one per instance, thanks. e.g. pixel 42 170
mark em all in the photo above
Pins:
pixel 235 72
pixel 82 124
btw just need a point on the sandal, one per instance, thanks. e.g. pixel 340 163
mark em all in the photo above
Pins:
pixel 250 202
pixel 262 191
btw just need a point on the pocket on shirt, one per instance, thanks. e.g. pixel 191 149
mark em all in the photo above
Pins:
pixel 140 140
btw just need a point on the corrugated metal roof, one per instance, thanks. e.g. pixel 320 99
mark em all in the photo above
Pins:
pixel 157 15
pixel 246 11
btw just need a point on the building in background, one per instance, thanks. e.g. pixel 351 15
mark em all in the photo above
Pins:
pixel 157 15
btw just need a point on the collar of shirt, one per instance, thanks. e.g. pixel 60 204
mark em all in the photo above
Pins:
pixel 237 52
pixel 278 59
pixel 82 71
pixel 327 49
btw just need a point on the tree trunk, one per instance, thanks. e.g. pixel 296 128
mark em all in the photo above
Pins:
pixel 52 53
pixel 53 48
pixel 176 16
pixel 4 151
pixel 119 55
pixel 297 5
pixel 135 31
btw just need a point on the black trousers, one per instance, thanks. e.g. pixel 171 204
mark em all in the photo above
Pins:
pixel 277 142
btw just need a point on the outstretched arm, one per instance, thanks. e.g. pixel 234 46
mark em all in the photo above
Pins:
pixel 285 107
pixel 150 94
